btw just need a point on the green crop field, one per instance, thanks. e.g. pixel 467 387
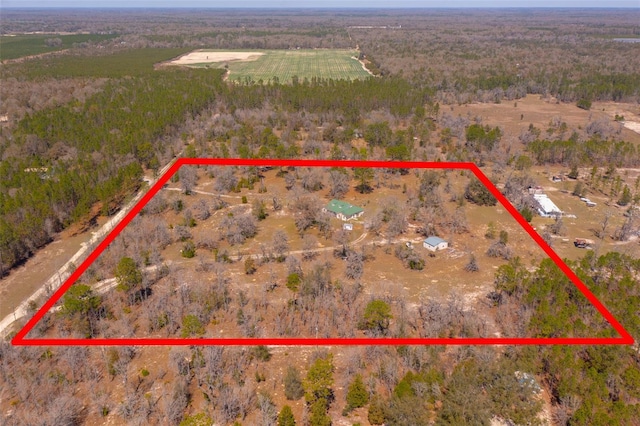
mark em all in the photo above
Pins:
pixel 12 47
pixel 284 65
pixel 133 62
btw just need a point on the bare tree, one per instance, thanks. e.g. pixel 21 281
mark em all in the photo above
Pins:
pixel 306 209
pixel 293 389
pixel 342 239
pixel 323 221
pixel 312 146
pixel 293 265
pixel 311 179
pixel 226 179
pixel 276 203
pixel 182 233
pixel 218 203
pixel 188 178
pixel 558 227
pixel 338 183
pixel 64 410
pixel 309 244
pixel 75 358
pixel 238 228
pixel 208 240
pixel 317 281
pixel 627 229
pixel 601 127
pixel 529 135
pixel 602 232
pixel 280 244
pixel 134 407
pixel 374 223
pixel 289 180
pixel 500 249
pixel 258 209
pixel 188 218
pixel 268 410
pixel 156 205
pixel 174 403
pixel 355 265
pixel 179 360
pixel 426 218
pixel 234 402
pixel 201 209
pixel 210 371
pixel 458 224
pixel 397 223
pixel 429 183
pixel 472 265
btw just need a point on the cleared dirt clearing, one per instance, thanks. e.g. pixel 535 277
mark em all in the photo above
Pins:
pixel 208 57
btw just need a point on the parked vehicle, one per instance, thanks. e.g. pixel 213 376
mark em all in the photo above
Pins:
pixel 583 243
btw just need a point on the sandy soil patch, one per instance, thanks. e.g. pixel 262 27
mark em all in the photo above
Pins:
pixel 632 125
pixel 630 112
pixel 205 57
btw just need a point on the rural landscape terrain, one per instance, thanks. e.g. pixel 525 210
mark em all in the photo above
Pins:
pixel 97 106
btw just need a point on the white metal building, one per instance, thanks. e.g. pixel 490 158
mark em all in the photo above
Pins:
pixel 547 207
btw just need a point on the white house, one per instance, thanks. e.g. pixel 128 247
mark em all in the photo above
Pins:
pixel 435 243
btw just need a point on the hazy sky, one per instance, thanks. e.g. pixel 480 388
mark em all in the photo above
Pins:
pixel 321 3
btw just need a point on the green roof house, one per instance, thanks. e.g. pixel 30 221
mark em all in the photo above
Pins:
pixel 343 210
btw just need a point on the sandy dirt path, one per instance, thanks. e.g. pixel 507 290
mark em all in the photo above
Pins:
pixel 39 55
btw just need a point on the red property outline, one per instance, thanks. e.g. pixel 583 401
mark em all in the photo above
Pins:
pixel 624 339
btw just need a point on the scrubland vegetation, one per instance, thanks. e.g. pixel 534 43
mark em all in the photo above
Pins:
pixel 236 252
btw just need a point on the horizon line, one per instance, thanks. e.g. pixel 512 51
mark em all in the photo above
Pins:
pixel 244 8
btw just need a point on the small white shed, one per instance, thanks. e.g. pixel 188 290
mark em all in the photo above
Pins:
pixel 435 243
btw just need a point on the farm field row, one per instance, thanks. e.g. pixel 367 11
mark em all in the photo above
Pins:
pixel 285 65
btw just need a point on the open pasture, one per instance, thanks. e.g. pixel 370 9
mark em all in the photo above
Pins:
pixel 283 65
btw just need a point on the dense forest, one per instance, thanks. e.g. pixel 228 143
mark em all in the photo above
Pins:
pixel 84 122
pixel 68 159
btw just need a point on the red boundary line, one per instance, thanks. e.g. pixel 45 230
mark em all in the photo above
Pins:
pixel 624 339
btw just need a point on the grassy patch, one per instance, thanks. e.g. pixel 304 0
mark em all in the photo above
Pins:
pixel 134 62
pixel 12 47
